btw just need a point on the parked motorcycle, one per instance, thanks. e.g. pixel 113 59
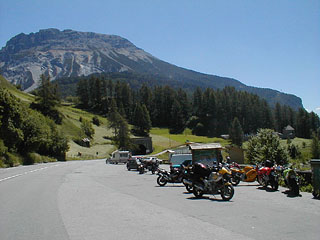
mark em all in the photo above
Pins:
pixel 165 177
pixel 267 175
pixel 188 179
pixel 246 174
pixel 212 180
pixel 291 179
pixel 141 168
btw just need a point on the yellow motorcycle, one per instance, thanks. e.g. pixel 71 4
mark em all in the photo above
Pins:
pixel 214 180
pixel 246 174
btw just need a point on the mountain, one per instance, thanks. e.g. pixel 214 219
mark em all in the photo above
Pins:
pixel 71 53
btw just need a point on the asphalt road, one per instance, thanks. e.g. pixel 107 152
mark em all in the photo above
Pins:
pixel 90 200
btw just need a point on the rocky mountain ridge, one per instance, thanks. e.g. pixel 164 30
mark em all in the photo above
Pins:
pixel 64 53
pixel 71 53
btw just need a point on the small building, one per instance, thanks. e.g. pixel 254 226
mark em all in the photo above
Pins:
pixel 236 154
pixel 144 145
pixel 288 132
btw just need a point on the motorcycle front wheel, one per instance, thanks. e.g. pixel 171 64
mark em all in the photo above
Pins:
pixel 189 188
pixel 235 181
pixel 197 192
pixel 227 192
pixel 161 181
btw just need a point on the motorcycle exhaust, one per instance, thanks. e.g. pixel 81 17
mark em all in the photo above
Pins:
pixel 199 187
pixel 187 182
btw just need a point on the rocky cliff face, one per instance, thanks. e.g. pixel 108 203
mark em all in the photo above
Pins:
pixel 70 53
pixel 66 53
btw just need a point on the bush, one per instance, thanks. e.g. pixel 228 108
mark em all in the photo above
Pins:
pixel 266 146
pixel 3 148
pixel 96 121
pixel 307 188
pixel 2 165
pixel 12 160
pixel 32 158
pixel 87 128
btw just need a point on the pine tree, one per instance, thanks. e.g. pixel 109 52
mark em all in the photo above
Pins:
pixel 178 123
pixel 141 120
pixel 47 95
pixel 236 132
pixel 47 99
pixel 83 93
pixel 123 137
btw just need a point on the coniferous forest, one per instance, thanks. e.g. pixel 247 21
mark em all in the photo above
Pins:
pixel 207 112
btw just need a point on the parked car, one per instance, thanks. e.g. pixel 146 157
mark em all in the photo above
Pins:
pixel 133 163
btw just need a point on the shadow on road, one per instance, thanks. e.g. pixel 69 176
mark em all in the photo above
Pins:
pixel 177 186
pixel 267 189
pixel 213 199
pixel 291 194
pixel 247 185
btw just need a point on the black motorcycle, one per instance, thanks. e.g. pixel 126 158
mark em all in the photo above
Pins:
pixel 291 179
pixel 212 180
pixel 174 176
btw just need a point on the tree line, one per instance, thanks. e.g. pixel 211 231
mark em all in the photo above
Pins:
pixel 208 112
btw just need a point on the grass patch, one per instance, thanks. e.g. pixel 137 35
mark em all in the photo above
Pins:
pixel 162 139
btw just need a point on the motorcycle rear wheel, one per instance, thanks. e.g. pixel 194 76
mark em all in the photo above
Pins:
pixel 227 192
pixel 294 187
pixel 259 180
pixel 161 181
pixel 275 185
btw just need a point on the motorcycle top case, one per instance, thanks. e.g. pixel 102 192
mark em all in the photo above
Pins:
pixel 200 169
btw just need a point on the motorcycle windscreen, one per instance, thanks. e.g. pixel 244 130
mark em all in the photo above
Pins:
pixel 210 157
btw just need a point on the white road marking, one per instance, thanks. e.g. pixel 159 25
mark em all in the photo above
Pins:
pixel 21 174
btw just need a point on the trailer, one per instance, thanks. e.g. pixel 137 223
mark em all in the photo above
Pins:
pixel 119 157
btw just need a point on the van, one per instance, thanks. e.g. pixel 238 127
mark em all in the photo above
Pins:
pixel 178 159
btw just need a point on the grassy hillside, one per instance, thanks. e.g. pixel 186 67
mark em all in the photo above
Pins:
pixel 16 92
pixel 162 139
pixel 101 146
pixel 71 126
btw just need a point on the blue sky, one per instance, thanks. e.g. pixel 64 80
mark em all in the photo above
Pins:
pixel 266 43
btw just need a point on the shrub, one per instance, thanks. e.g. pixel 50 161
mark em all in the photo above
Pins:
pixel 32 158
pixel 37 158
pixel 3 148
pixel 266 146
pixel 12 160
pixel 96 121
pixel 87 128
pixel 307 188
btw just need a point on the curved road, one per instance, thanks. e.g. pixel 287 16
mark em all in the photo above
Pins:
pixel 91 200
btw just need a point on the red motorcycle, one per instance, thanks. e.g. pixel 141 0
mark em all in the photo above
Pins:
pixel 267 175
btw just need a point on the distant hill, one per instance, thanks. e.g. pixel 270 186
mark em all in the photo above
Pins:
pixel 70 53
